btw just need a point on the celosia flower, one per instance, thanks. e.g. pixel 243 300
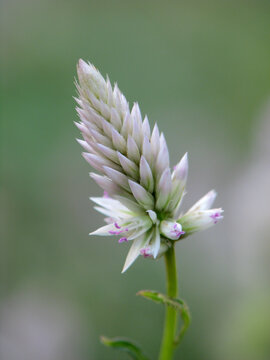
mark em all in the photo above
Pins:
pixel 142 198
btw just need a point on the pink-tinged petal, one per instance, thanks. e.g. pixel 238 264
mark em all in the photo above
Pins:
pixel 137 133
pixel 155 141
pixel 143 197
pixel 129 167
pixel 107 128
pixel 119 142
pixel 117 177
pixel 110 99
pixel 127 126
pixel 106 184
pixel 108 152
pixel 205 202
pixel 146 176
pixel 98 162
pixel 200 220
pixel 131 204
pixel 163 189
pixel 146 127
pixel 136 113
pixel 101 139
pixel 147 152
pixel 134 252
pixel 94 161
pixel 133 152
pixel 163 161
pixel 116 119
pixel 104 230
pixel 181 170
pixel 83 128
pixel 85 145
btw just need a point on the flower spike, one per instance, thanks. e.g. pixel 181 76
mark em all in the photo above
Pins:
pixel 142 198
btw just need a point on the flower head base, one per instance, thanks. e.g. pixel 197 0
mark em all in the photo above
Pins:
pixel 142 198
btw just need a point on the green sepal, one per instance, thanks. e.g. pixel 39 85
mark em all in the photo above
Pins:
pixel 126 345
pixel 178 304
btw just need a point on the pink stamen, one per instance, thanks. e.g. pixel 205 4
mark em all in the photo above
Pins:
pixel 122 239
pixel 215 217
pixel 177 232
pixel 105 194
pixel 145 252
pixel 117 226
pixel 114 232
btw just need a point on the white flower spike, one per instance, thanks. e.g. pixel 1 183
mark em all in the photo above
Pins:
pixel 142 197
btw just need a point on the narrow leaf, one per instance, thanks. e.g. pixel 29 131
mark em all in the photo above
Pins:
pixel 124 345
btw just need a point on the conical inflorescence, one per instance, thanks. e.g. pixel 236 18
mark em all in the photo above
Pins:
pixel 142 197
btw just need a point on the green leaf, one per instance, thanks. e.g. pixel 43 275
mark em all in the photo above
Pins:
pixel 178 304
pixel 124 345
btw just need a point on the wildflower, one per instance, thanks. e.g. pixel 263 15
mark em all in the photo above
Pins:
pixel 142 198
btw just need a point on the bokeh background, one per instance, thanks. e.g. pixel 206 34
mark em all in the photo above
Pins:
pixel 201 69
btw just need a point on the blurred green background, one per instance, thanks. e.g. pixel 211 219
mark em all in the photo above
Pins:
pixel 201 69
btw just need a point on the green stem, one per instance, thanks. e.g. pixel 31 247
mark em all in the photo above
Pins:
pixel 167 345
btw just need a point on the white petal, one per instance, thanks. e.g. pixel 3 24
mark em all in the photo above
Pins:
pixel 99 162
pixel 107 128
pixel 152 215
pixel 200 220
pixel 163 161
pixel 108 152
pixel 156 243
pixel 106 184
pixel 101 139
pixel 129 166
pixel 115 119
pixel 146 176
pixel 139 232
pixel 134 252
pixel 143 197
pixel 85 145
pixel 104 230
pixel 82 127
pixel 205 202
pixel 133 152
pixel 93 160
pixel 181 170
pixel 136 113
pixel 164 189
pixel 118 141
pixel 131 205
pixel 155 141
pixel 146 127
pixel 110 213
pixel 146 151
pixel 117 177
pixel 110 204
pixel 127 126
pixel 137 133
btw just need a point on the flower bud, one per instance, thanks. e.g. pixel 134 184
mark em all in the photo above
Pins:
pixel 171 230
